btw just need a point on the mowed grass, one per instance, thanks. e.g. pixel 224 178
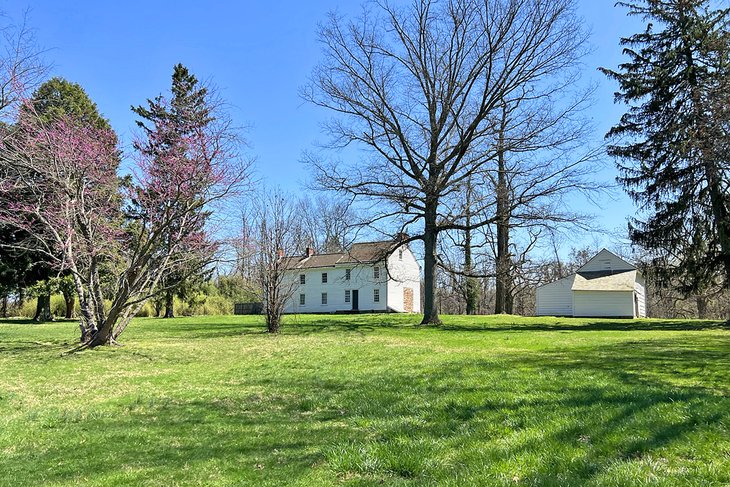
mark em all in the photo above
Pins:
pixel 368 400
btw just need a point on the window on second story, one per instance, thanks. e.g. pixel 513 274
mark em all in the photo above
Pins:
pixel 400 255
pixel 347 295
pixel 324 278
pixel 376 272
pixel 376 295
pixel 347 274
pixel 302 279
pixel 301 300
pixel 324 298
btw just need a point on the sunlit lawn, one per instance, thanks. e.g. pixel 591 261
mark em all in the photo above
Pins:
pixel 368 400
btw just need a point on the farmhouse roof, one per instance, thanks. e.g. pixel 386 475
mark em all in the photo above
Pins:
pixel 604 280
pixel 359 253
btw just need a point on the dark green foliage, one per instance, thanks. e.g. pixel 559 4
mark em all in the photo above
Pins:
pixel 57 97
pixel 672 141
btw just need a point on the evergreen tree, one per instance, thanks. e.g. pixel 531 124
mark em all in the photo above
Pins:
pixel 672 142
pixel 169 126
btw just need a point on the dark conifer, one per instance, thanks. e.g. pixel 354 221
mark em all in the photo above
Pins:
pixel 672 142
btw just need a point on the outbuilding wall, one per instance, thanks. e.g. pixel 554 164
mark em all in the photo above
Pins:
pixel 556 298
pixel 603 303
pixel 640 291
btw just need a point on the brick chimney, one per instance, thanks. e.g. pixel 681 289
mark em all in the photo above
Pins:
pixel 309 252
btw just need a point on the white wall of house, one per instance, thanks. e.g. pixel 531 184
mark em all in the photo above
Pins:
pixel 640 293
pixel 603 303
pixel 404 273
pixel 361 279
pixel 555 298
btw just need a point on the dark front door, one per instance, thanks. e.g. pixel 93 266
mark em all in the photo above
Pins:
pixel 355 304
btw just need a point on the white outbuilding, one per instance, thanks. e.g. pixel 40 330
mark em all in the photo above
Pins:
pixel 606 286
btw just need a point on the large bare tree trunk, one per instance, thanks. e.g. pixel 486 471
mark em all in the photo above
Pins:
pixel 43 308
pixel 701 306
pixel 4 306
pixel 472 285
pixel 169 305
pixel 502 300
pixel 430 240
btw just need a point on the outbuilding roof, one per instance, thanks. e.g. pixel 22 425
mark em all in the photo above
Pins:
pixel 604 281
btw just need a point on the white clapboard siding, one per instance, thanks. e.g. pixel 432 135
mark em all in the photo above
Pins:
pixel 556 298
pixel 603 303
pixel 606 261
pixel 404 272
pixel 640 292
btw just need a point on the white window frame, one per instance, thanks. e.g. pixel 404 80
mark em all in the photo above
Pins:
pixel 348 295
pixel 324 299
pixel 324 278
pixel 376 295
pixel 376 272
pixel 302 279
pixel 302 299
pixel 347 274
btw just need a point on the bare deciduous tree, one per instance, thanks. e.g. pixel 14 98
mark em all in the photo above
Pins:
pixel 276 237
pixel 421 87
pixel 324 223
pixel 21 65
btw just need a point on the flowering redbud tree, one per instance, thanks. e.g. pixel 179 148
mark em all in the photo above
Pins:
pixel 58 183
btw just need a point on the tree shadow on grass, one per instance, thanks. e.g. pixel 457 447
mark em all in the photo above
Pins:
pixel 561 417
pixel 173 441
pixel 598 325
pixel 574 430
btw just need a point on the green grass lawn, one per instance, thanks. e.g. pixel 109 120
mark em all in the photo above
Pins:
pixel 368 400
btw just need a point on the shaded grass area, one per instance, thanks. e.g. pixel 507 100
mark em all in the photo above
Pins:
pixel 369 400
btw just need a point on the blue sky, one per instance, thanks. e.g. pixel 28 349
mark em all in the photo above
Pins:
pixel 258 54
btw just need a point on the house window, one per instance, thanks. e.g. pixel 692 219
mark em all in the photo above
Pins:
pixel 376 272
pixel 347 274
pixel 376 295
pixel 301 300
pixel 324 298
pixel 347 295
pixel 324 278
pixel 400 255
pixel 302 279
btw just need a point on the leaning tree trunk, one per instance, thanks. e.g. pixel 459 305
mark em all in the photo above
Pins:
pixel 430 236
pixel 4 306
pixel 169 304
pixel 43 308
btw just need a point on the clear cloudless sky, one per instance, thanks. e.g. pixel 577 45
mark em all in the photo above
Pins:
pixel 258 53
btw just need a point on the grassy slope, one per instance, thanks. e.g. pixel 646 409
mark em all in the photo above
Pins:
pixel 364 399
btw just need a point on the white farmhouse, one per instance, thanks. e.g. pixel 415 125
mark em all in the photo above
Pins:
pixel 372 276
pixel 606 286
